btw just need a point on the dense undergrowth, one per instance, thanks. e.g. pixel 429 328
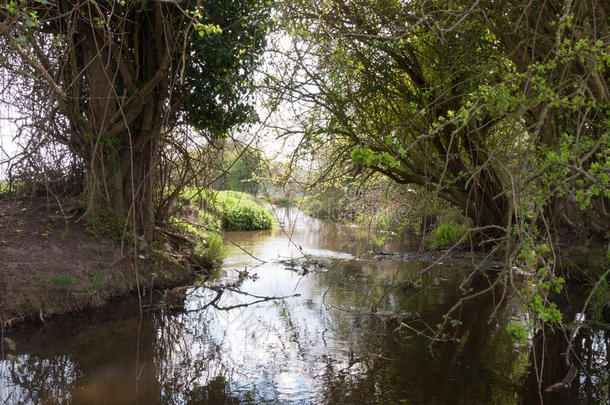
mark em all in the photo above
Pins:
pixel 228 210
pixel 205 213
pixel 240 212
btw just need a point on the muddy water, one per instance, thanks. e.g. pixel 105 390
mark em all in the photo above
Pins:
pixel 333 341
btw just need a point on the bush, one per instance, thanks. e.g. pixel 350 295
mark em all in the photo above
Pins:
pixel 241 213
pixel 237 211
pixel 447 234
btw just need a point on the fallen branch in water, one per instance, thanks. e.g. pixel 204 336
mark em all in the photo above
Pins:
pixel 221 289
pixel 180 293
pixel 262 299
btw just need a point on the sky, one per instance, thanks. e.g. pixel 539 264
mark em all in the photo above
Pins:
pixel 7 146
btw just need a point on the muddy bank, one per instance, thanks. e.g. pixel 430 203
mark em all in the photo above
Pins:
pixel 50 265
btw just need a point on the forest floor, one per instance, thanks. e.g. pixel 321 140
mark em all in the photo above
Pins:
pixel 50 265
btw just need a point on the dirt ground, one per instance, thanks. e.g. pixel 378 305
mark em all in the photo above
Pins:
pixel 50 265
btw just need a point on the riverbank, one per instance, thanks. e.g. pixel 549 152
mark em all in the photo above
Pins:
pixel 50 265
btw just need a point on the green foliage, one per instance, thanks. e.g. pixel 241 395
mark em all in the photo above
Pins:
pixel 236 211
pixel 209 253
pixel 326 204
pixel 209 220
pixel 230 36
pixel 241 213
pixel 212 251
pixel 404 106
pixel 545 311
pixel 518 332
pixel 184 226
pixel 242 169
pixel 448 234
pixel 198 74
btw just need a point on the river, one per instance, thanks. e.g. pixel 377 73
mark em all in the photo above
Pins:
pixel 354 329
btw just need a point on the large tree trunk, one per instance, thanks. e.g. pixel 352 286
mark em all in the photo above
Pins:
pixel 120 186
pixel 126 87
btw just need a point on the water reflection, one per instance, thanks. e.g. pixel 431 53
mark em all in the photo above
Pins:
pixel 334 343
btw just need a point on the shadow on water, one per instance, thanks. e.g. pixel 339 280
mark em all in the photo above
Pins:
pixel 335 343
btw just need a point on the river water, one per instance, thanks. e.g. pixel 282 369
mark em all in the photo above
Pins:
pixel 354 329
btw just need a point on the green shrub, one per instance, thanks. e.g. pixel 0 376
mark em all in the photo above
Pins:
pixel 184 226
pixel 231 210
pixel 209 220
pixel 213 251
pixel 447 234
pixel 247 218
pixel 241 213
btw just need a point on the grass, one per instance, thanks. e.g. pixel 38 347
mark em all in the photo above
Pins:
pixel 208 254
pixel 63 281
pixel 240 212
pixel 97 283
pixel 213 251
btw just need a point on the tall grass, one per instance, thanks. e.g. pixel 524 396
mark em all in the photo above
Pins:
pixel 213 251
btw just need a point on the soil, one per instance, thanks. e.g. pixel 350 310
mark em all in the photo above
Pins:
pixel 50 265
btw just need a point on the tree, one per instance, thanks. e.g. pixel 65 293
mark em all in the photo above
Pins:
pixel 501 108
pixel 121 75
pixel 241 167
pixel 398 92
pixel 561 54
